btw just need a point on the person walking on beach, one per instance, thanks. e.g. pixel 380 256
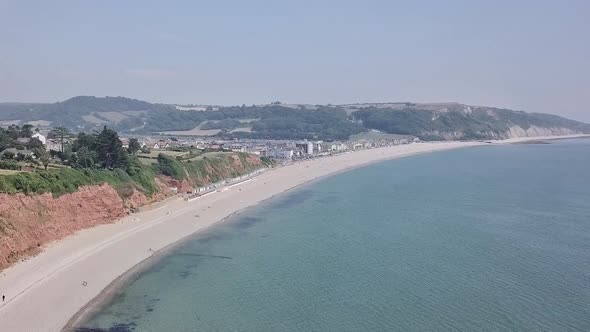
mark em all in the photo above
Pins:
pixel 3 297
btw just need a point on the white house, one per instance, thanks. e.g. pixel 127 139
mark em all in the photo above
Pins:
pixel 40 137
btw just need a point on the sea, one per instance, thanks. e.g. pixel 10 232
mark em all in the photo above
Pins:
pixel 488 238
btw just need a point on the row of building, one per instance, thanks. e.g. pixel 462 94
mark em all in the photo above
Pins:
pixel 278 149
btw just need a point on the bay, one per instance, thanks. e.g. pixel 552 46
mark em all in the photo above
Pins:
pixel 484 238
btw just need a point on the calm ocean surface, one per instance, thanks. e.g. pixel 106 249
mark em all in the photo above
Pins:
pixel 485 238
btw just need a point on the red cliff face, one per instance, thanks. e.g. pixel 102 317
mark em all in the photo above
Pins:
pixel 29 222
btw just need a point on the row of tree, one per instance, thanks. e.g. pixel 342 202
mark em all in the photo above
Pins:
pixel 102 149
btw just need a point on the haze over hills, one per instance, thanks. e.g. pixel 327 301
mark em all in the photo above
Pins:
pixel 428 121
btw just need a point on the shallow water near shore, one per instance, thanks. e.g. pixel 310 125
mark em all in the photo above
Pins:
pixel 485 238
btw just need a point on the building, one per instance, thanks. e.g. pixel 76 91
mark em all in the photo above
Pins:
pixel 338 147
pixel 317 147
pixel 281 154
pixel 305 147
pixel 235 147
pixel 125 142
pixel 40 137
pixel 54 144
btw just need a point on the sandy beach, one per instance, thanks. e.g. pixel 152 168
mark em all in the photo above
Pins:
pixel 45 291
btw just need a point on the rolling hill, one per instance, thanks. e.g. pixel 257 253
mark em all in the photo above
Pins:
pixel 434 121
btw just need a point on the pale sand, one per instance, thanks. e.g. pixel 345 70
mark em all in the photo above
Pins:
pixel 45 291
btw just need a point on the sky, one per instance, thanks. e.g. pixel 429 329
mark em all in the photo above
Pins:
pixel 525 55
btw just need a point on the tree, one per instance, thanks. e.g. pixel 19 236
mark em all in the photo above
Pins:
pixel 85 140
pixel 134 146
pixel 26 131
pixel 109 150
pixel 43 156
pixel 61 133
pixel 8 155
pixel 13 131
pixel 35 143
pixel 86 157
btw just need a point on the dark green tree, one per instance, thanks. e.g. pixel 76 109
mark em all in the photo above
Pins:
pixel 85 140
pixel 35 143
pixel 13 131
pixel 86 157
pixel 26 131
pixel 134 146
pixel 109 150
pixel 8 155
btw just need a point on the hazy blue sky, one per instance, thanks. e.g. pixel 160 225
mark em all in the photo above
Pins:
pixel 527 55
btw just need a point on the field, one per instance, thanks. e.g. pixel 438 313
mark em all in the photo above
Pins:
pixel 151 158
pixel 197 131
pixel 155 153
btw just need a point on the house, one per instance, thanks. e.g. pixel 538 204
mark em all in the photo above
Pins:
pixel 125 142
pixel 306 147
pixel 163 144
pixel 235 147
pixel 40 137
pixel 281 154
pixel 54 144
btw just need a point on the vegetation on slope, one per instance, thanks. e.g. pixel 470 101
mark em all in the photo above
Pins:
pixel 276 121
pixel 272 122
pixel 70 113
pixel 474 123
pixel 100 158
pixel 135 176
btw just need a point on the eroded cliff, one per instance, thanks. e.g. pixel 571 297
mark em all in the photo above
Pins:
pixel 30 220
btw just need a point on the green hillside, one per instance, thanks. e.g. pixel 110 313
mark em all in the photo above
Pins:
pixel 276 121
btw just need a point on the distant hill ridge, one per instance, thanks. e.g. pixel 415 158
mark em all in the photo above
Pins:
pixel 429 121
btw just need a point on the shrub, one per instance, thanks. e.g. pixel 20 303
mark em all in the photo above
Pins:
pixel 170 167
pixel 10 164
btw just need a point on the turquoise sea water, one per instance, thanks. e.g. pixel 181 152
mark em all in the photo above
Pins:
pixel 485 238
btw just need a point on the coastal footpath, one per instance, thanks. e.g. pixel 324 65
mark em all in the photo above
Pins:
pixel 45 291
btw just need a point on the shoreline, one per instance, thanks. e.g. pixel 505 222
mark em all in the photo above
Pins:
pixel 58 286
pixel 114 288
